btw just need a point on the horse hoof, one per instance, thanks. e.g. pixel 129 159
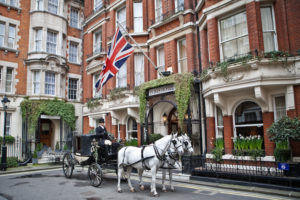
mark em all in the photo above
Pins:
pixel 155 195
pixel 164 190
pixel 120 191
pixel 172 190
pixel 132 190
pixel 142 187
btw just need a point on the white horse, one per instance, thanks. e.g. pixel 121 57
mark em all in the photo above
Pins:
pixel 148 157
pixel 173 159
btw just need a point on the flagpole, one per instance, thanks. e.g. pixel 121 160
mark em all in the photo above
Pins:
pixel 138 46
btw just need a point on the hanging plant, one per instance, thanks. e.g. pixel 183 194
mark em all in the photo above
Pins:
pixel 32 109
pixel 183 86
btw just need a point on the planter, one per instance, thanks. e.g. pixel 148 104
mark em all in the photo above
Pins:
pixel 282 155
pixel 34 161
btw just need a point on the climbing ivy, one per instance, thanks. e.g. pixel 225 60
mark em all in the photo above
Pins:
pixel 183 86
pixel 32 109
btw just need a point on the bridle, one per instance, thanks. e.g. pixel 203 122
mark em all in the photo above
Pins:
pixel 186 144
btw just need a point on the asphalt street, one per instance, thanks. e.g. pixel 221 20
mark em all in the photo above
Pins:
pixel 52 185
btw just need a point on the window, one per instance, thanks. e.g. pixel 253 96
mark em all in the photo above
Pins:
pixel 95 79
pixel 72 94
pixel 158 11
pixel 161 59
pixel 14 3
pixel 98 4
pixel 8 123
pixel 52 6
pixel 9 80
pixel 138 17
pixel 51 42
pixel 248 120
pixel 2 33
pixel 280 109
pixel 50 83
pixel 122 76
pixel 131 129
pixel 1 77
pixel 219 123
pixel 182 57
pixel 74 18
pixel 138 69
pixel 121 18
pixel 36 82
pixel 234 35
pixel 268 29
pixel 11 36
pixel 38 40
pixel 73 52
pixel 39 4
pixel 97 41
pixel 179 5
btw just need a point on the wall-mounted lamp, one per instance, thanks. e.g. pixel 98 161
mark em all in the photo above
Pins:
pixel 165 118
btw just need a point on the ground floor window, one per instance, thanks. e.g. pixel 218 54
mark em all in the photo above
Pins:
pixel 131 129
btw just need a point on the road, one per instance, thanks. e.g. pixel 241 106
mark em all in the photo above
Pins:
pixel 52 185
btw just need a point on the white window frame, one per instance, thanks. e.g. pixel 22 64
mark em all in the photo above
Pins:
pixel 11 36
pixel 14 3
pixel 121 77
pixel 39 4
pixel 245 125
pixel 128 131
pixel 2 36
pixel 36 83
pixel 51 42
pixel 72 90
pixel 179 7
pixel 232 39
pixel 73 52
pixel 74 17
pixel 9 83
pixel 217 126
pixel 95 79
pixel 139 72
pixel 53 4
pixel 97 43
pixel 50 84
pixel 137 20
pixel 122 22
pixel 158 11
pixel 180 60
pixel 274 105
pixel 274 27
pixel 98 4
pixel 160 66
pixel 8 123
pixel 38 41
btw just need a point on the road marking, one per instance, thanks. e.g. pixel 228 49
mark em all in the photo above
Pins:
pixel 30 172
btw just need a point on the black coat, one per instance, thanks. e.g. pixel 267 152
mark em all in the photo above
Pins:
pixel 103 133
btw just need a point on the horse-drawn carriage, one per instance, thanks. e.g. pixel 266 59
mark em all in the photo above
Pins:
pixel 87 152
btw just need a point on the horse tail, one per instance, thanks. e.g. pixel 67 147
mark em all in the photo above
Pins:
pixel 121 157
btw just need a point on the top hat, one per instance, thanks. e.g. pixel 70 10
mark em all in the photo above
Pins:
pixel 101 120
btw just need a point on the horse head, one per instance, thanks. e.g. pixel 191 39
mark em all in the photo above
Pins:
pixel 176 145
pixel 187 144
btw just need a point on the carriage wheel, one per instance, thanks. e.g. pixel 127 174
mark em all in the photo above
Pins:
pixel 95 174
pixel 68 166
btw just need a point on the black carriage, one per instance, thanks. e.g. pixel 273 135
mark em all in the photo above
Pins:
pixel 87 151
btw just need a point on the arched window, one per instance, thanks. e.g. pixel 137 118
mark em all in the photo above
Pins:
pixel 131 129
pixel 248 120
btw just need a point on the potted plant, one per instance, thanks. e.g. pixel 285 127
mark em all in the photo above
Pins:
pixel 34 157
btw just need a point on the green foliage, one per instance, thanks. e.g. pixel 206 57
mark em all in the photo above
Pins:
pixel 65 147
pixel 12 162
pixel 93 102
pixel 183 86
pixel 132 142
pixel 218 151
pixel 39 147
pixel 57 146
pixel 248 146
pixel 282 151
pixel 117 93
pixel 153 137
pixel 32 109
pixel 285 129
pixel 34 155
pixel 8 139
pixel 219 143
pixel 275 55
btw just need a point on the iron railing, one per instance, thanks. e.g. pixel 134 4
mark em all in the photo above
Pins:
pixel 14 149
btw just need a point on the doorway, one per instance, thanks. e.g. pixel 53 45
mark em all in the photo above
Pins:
pixel 45 132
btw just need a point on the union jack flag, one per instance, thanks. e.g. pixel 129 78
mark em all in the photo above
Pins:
pixel 117 55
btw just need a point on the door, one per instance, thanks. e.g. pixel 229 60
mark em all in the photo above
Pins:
pixel 45 132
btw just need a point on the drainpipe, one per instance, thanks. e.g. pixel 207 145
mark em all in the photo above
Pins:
pixel 202 102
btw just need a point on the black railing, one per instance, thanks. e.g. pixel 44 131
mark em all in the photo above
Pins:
pixel 168 14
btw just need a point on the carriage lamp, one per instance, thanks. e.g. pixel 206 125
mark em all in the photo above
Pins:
pixel 165 117
pixel 5 102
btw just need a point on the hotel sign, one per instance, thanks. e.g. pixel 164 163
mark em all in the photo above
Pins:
pixel 161 90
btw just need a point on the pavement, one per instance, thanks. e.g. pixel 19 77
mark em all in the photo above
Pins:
pixel 186 178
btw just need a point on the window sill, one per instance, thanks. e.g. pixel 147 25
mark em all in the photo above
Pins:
pixel 73 63
pixel 7 49
pixel 77 28
pixel 95 55
pixel 46 11
pixel 10 7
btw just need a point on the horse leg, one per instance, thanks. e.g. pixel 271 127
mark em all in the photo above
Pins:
pixel 129 181
pixel 163 180
pixel 120 172
pixel 140 172
pixel 153 184
pixel 170 177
